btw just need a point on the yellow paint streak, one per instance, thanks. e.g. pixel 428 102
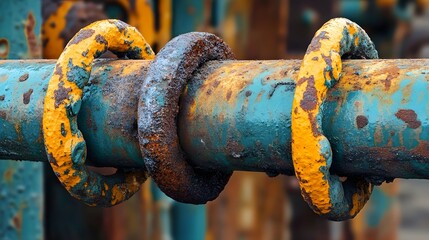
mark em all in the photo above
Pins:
pixel 306 144
pixel 165 18
pixel 52 35
pixel 141 17
pixel 356 205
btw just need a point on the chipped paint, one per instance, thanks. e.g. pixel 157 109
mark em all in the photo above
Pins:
pixel 64 143
pixel 225 102
pixel 311 151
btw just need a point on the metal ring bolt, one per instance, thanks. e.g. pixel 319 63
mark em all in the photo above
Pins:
pixel 65 145
pixel 311 150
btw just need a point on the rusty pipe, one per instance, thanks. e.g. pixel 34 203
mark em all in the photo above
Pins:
pixel 235 115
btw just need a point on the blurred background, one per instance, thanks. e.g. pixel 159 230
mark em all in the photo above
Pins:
pixel 253 205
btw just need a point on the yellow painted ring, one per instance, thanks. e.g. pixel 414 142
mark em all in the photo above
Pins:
pixel 311 150
pixel 65 145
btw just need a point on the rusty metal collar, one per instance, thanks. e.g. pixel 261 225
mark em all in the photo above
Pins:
pixel 157 112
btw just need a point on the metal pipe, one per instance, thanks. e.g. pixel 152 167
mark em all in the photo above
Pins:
pixel 235 115
pixel 21 188
pixel 107 119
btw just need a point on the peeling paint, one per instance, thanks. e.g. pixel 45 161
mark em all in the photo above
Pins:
pixel 311 150
pixel 67 152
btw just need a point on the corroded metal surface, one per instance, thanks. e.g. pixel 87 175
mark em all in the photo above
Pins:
pixel 65 145
pixel 321 67
pixel 367 137
pixel 241 110
pixel 21 183
pixel 108 116
pixel 166 79
pixel 240 119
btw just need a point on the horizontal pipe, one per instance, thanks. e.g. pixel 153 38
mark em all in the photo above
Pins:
pixel 108 117
pixel 235 115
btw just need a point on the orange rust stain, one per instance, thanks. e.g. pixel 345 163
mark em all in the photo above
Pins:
pixel 8 175
pixel 34 48
pixel 17 221
pixel 18 131
pixel 4 48
pixel 422 149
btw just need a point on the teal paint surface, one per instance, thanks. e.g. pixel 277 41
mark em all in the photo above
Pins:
pixel 179 221
pixel 253 133
pixel 13 17
pixel 190 221
pixel 377 207
pixel 21 200
pixel 164 203
pixel 21 183
pixel 188 16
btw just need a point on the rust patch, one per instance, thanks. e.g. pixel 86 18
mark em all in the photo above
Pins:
pixel 228 95
pixel 422 149
pixel 24 77
pixel 8 174
pixel 2 97
pixel 61 94
pixel 17 221
pixel 4 48
pixel 392 73
pixel 248 93
pixel 307 198
pixel 3 114
pixel 26 96
pixel 327 59
pixel 59 71
pixel 52 160
pixel 100 39
pixel 81 35
pixel 33 47
pixel 314 127
pixel 120 25
pixel 215 83
pixel 309 100
pixel 361 121
pixel 315 43
pixel 409 117
pixel 234 149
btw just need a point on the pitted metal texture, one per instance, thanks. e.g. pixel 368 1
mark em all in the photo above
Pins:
pixel 166 80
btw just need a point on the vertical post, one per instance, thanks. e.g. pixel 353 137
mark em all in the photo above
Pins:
pixel 21 184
